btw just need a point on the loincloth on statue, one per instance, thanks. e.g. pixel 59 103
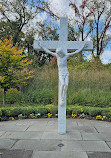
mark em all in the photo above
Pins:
pixel 64 75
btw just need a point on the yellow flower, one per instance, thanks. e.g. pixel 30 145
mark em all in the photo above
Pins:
pixel 49 115
pixel 13 118
pixel 74 115
pixel 98 117
pixel 1 153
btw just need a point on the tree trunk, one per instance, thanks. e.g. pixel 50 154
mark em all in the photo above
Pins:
pixel 82 38
pixel 97 34
pixel 4 96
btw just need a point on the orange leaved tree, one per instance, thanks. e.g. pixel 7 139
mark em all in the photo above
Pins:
pixel 13 66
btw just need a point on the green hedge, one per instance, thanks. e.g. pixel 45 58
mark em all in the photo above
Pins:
pixel 27 110
pixel 0 112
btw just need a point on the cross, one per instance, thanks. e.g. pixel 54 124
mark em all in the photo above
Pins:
pixel 49 46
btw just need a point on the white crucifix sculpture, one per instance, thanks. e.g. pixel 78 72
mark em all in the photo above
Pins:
pixel 61 47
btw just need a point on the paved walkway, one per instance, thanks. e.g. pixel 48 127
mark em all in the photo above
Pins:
pixel 38 138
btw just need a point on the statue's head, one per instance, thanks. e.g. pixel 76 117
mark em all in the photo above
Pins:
pixel 60 52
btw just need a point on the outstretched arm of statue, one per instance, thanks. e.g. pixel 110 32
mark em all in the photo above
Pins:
pixel 79 50
pixel 46 50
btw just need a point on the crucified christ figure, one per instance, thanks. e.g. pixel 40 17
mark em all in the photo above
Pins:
pixel 62 68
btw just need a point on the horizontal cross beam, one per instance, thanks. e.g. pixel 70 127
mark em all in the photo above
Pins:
pixel 68 45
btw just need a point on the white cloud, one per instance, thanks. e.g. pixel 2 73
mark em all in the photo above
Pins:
pixel 108 32
pixel 106 57
pixel 59 7
pixel 33 26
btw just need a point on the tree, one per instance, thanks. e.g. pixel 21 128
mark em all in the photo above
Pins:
pixel 14 64
pixel 101 23
pixel 82 20
pixel 15 14
pixel 48 32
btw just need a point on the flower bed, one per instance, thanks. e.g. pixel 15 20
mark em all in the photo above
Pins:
pixel 51 111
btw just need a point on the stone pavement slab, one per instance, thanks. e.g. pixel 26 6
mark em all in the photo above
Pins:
pixel 22 135
pixel 109 144
pixel 6 143
pixel 13 127
pixel 15 153
pixel 96 136
pixel 1 133
pixel 87 129
pixel 43 128
pixel 59 154
pixel 39 145
pixel 99 155
pixel 105 129
pixel 84 122
pixel 85 146
pixel 76 135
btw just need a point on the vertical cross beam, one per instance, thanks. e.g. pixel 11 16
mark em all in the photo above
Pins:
pixel 62 109
pixel 63 29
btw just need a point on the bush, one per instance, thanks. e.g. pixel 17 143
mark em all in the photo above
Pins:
pixel 27 110
pixel 94 111
pixel 44 110
pixel 87 96
pixel 13 95
pixel 6 111
pixel 43 97
pixel 0 112
pixel 11 111
pixel 53 110
pixel 77 109
pixel 68 110
pixel 106 113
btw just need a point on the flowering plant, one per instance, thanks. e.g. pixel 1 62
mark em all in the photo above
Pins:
pixel 89 117
pixel 49 115
pixel 32 115
pixel 98 117
pixel 37 115
pixel 82 115
pixel 104 118
pixel 11 118
pixel 74 115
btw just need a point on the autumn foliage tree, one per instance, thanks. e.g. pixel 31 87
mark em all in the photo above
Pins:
pixel 14 64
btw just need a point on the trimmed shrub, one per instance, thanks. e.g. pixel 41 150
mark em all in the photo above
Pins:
pixel 68 110
pixel 77 109
pixel 0 112
pixel 95 111
pixel 42 110
pixel 53 110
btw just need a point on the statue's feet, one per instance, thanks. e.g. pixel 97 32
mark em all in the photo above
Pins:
pixel 62 103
